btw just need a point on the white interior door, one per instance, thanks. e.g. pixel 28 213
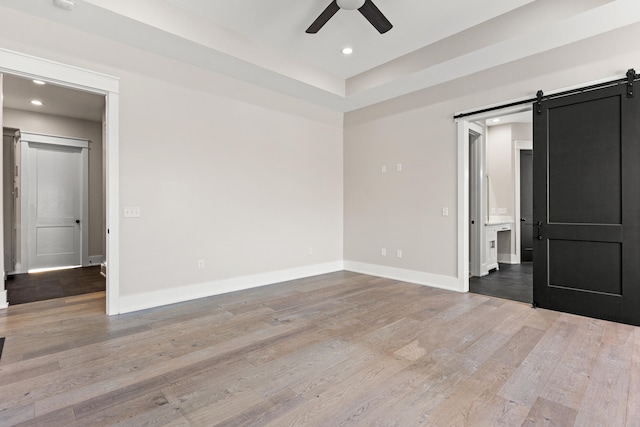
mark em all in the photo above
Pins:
pixel 57 202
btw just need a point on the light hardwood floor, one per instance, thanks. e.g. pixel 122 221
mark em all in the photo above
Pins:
pixel 339 349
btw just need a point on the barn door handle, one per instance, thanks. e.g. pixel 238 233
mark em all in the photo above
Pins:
pixel 539 230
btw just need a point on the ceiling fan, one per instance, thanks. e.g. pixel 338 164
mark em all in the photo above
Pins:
pixel 366 8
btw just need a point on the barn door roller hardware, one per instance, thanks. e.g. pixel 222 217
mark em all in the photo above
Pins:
pixel 631 76
pixel 539 97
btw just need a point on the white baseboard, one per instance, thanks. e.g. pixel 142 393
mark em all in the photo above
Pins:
pixel 508 259
pixel 411 276
pixel 3 299
pixel 96 259
pixel 129 303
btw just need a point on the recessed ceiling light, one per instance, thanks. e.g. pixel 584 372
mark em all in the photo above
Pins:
pixel 39 82
pixel 347 51
pixel 37 102
pixel 496 120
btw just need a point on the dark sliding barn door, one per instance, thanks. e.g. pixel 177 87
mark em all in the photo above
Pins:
pixel 587 204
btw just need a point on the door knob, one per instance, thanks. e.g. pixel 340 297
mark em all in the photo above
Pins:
pixel 523 219
pixel 77 221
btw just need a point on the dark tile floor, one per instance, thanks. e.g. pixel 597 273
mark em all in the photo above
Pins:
pixel 512 281
pixel 23 288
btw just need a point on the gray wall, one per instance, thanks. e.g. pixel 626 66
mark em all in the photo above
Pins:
pixel 248 179
pixel 224 171
pixel 404 210
pixel 501 169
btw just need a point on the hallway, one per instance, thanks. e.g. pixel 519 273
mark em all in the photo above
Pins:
pixel 24 288
pixel 512 281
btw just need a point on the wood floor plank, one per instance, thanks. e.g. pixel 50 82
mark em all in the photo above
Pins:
pixel 568 382
pixel 606 395
pixel 268 410
pixel 470 400
pixel 551 414
pixel 14 415
pixel 527 381
pixel 633 406
pixel 435 378
pixel 217 412
pixel 80 387
pixel 291 369
pixel 323 402
pixel 61 418
pixel 500 412
pixel 331 350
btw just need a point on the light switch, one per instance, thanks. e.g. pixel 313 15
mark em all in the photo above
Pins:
pixel 132 212
pixel 383 169
pixel 445 211
pixel 399 167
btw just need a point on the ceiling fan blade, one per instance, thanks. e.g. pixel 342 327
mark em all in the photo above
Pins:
pixel 324 17
pixel 375 17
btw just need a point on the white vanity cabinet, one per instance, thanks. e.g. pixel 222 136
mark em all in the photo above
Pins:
pixel 491 239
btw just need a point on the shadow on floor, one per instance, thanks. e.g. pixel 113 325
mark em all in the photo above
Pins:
pixel 24 288
pixel 512 281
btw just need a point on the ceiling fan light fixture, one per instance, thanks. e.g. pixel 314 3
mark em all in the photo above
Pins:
pixel 350 4
pixel 366 7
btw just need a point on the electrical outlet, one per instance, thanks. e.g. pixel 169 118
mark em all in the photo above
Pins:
pixel 399 167
pixel 132 212
pixel 383 252
pixel 399 253
pixel 383 169
pixel 310 251
pixel 200 264
pixel 445 211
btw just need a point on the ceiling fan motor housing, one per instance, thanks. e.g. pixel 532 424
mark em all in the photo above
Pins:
pixel 350 4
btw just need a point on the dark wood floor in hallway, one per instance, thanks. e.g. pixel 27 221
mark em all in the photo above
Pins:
pixel 23 288
pixel 511 281
pixel 333 350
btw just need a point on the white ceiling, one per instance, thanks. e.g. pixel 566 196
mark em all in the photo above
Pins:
pixel 59 101
pixel 432 41
pixel 522 117
pixel 282 24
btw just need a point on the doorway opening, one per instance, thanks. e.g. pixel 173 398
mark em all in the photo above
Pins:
pixel 499 188
pixel 90 84
pixel 54 210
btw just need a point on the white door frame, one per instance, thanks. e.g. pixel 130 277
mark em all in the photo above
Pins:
pixel 478 197
pixel 3 291
pixel 29 143
pixel 31 67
